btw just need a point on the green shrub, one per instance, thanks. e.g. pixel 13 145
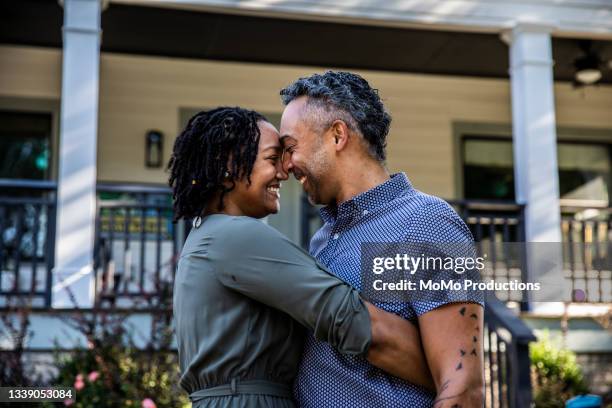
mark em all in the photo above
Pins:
pixel 558 377
pixel 111 372
pixel 121 377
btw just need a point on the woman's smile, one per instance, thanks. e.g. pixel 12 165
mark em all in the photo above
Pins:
pixel 274 190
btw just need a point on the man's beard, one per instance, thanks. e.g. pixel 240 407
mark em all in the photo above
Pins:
pixel 318 167
pixel 313 194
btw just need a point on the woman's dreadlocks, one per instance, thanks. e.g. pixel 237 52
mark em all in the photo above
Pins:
pixel 217 146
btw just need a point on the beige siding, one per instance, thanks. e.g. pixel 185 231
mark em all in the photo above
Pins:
pixel 140 93
pixel 30 72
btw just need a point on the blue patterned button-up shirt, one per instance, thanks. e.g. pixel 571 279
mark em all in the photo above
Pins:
pixel 391 212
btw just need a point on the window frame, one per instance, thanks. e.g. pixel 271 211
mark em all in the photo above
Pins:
pixel 500 131
pixel 44 106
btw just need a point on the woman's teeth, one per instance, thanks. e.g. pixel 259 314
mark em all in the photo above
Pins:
pixel 274 190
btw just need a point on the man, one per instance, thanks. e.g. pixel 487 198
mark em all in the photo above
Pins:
pixel 333 131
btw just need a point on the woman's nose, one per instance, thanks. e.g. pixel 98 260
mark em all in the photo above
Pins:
pixel 286 163
pixel 281 173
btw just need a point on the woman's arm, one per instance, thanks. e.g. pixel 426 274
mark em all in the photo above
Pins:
pixel 264 265
pixel 259 262
pixel 396 348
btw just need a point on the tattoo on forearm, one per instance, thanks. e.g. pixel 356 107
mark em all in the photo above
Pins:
pixel 462 352
pixel 442 399
pixel 438 403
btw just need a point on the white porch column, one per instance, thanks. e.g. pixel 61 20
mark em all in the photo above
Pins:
pixel 76 194
pixel 534 133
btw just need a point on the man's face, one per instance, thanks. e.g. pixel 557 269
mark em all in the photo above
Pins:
pixel 305 152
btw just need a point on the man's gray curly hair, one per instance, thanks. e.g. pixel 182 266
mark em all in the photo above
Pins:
pixel 348 97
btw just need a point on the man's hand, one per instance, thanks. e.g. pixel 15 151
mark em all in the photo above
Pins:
pixel 396 348
pixel 452 337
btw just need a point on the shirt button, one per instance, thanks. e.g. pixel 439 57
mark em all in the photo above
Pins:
pixel 336 235
pixel 365 212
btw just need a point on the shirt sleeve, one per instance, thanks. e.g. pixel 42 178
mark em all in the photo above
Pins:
pixel 438 231
pixel 261 263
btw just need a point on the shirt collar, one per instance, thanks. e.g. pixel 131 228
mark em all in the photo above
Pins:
pixel 369 200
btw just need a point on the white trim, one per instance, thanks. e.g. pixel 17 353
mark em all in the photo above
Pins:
pixel 589 19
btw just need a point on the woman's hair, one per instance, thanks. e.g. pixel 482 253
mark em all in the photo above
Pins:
pixel 216 146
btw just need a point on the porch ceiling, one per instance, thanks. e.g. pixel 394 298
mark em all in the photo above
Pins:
pixel 205 35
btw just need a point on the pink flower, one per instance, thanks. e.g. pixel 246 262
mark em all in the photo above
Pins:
pixel 78 383
pixel 148 403
pixel 93 376
pixel 68 402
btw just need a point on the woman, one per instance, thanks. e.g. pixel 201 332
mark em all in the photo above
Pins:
pixel 244 292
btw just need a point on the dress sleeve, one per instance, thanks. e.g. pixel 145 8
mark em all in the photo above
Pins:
pixel 261 263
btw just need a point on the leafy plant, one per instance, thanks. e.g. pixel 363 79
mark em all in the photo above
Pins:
pixel 558 377
pixel 112 371
pixel 121 377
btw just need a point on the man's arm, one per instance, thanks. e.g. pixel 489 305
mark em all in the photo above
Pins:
pixel 452 337
pixel 396 348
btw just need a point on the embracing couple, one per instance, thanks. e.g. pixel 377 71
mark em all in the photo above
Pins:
pixel 262 323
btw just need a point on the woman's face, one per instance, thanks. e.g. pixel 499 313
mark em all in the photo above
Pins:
pixel 262 196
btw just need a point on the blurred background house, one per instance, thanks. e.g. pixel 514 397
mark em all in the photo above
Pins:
pixel 502 108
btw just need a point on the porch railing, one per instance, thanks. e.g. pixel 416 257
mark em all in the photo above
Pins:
pixel 136 242
pixel 27 241
pixel 493 224
pixel 587 252
pixel 137 247
pixel 507 364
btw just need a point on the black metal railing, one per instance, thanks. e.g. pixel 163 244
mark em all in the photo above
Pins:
pixel 27 241
pixel 496 221
pixel 507 364
pixel 495 224
pixel 137 246
pixel 125 226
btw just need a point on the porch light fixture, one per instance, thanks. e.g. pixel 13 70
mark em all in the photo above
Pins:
pixel 154 143
pixel 588 66
pixel 587 69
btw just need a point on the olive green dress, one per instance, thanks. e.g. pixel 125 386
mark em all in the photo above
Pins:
pixel 243 296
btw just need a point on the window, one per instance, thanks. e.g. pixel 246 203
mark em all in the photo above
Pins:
pixel 25 140
pixel 488 169
pixel 25 153
pixel 584 171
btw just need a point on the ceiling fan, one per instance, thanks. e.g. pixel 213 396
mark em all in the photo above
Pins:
pixel 589 66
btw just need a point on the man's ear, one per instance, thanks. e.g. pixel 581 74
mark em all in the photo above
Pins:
pixel 340 133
